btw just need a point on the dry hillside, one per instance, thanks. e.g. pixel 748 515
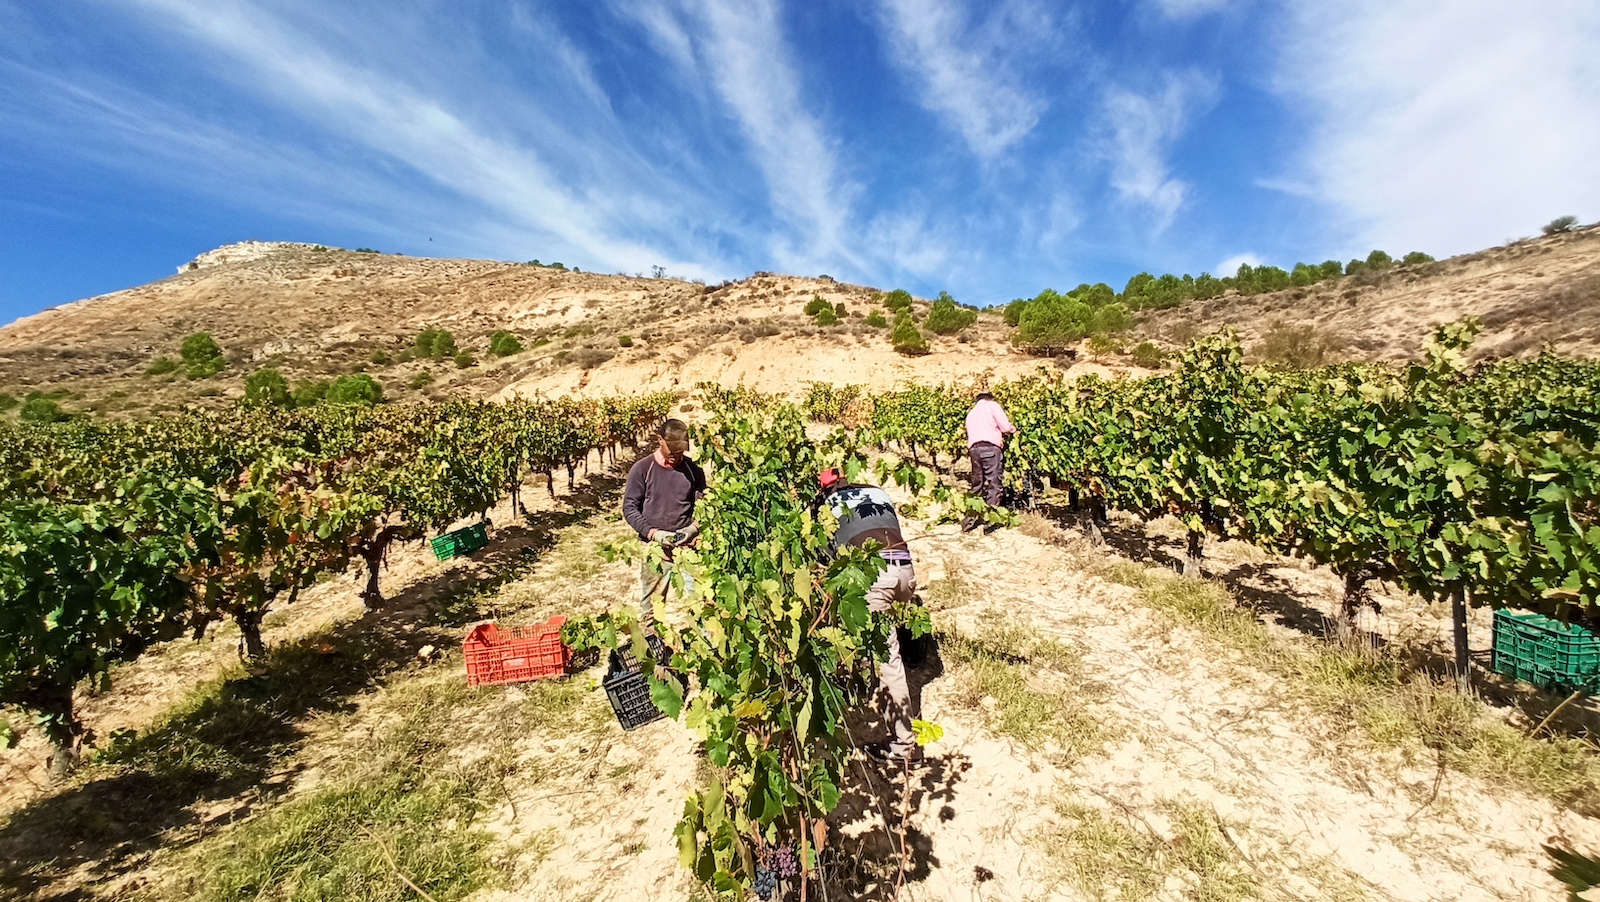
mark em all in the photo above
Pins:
pixel 316 312
pixel 1528 293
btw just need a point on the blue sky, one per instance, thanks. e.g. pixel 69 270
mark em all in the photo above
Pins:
pixel 990 149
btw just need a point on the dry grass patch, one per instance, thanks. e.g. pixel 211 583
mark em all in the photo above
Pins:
pixel 402 799
pixel 1038 526
pixel 1396 701
pixel 1110 857
pixel 1030 688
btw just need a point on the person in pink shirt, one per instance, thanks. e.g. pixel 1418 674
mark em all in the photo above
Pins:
pixel 987 427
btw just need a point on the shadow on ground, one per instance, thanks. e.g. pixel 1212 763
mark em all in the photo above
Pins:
pixel 231 745
pixel 875 801
pixel 1275 600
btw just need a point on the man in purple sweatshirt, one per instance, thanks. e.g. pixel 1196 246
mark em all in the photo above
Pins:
pixel 659 504
pixel 987 427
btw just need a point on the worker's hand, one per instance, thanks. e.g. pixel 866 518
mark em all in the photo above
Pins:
pixel 667 539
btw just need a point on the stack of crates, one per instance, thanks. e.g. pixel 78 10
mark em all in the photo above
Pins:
pixel 497 656
pixel 461 542
pixel 1561 657
pixel 629 689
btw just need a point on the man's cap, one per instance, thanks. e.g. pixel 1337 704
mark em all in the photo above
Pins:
pixel 829 476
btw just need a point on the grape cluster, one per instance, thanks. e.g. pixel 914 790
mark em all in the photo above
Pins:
pixel 785 861
pixel 766 882
pixel 774 862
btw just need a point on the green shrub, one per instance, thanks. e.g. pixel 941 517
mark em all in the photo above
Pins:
pixel 1101 345
pixel 199 348
pixel 947 318
pixel 1379 260
pixel 380 357
pixel 504 344
pixel 1052 322
pixel 161 366
pixel 8 401
pixel 625 340
pixel 898 300
pixel 816 305
pixel 435 344
pixel 1013 313
pixel 838 310
pixel 1147 355
pixel 1560 224
pixel 422 380
pixel 877 320
pixel 310 392
pixel 827 317
pixel 357 389
pixel 907 338
pixel 465 359
pixel 1416 257
pixel 42 410
pixel 267 387
pixel 202 356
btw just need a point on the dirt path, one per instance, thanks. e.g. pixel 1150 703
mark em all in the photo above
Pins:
pixel 1296 808
pixel 1308 803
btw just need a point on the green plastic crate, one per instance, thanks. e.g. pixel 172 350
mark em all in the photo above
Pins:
pixel 1562 657
pixel 460 542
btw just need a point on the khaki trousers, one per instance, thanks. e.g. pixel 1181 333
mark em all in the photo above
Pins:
pixel 897 582
pixel 654 581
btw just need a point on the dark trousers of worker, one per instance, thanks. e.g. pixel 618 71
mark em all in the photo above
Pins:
pixel 988 468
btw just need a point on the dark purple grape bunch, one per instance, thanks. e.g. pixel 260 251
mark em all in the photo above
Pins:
pixel 766 882
pixel 775 862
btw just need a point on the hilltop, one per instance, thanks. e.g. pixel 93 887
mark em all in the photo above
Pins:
pixel 317 312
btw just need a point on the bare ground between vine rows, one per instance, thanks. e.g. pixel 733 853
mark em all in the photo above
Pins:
pixel 1298 807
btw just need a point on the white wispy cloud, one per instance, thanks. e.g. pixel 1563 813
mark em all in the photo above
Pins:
pixel 1447 129
pixel 368 143
pixel 962 73
pixel 664 27
pixel 1138 131
pixel 753 72
pixel 1230 266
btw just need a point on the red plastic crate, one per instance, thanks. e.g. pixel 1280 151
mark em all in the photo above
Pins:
pixel 497 656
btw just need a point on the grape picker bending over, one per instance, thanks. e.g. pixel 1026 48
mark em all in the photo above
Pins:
pixel 866 514
pixel 987 427
pixel 659 504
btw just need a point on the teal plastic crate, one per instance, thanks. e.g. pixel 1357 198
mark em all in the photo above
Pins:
pixel 460 542
pixel 1562 657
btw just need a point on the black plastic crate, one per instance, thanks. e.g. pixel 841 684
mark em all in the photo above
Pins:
pixel 629 692
pixel 622 658
pixel 628 689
